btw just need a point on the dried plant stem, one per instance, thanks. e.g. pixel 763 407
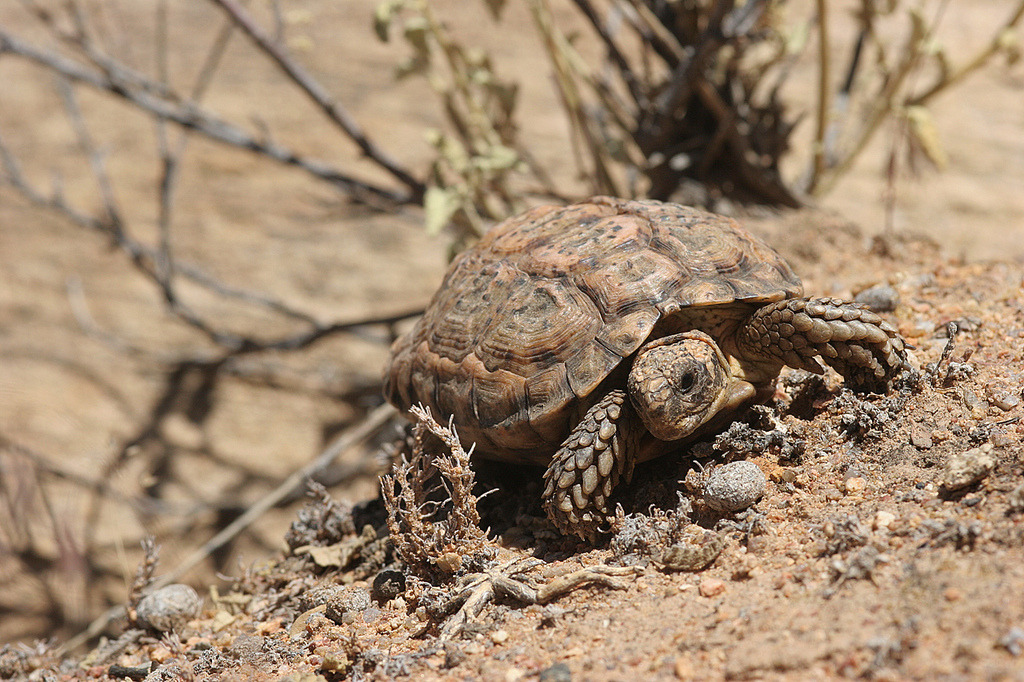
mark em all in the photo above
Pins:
pixel 824 108
pixel 614 53
pixel 430 542
pixel 192 118
pixel 994 47
pixel 319 95
pixel 881 107
pixel 566 77
pixel 888 101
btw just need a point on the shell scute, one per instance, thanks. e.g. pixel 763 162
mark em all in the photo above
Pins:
pixel 589 366
pixel 546 393
pixel 540 322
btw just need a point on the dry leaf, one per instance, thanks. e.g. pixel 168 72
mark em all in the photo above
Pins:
pixel 439 205
pixel 925 136
pixel 383 15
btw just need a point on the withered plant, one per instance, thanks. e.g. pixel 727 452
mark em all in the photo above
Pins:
pixel 432 513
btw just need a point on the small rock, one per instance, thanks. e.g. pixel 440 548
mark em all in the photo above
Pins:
pixel 880 298
pixel 160 654
pixel 683 668
pixel 453 655
pixel 855 484
pixel 1001 439
pixel 882 520
pixel 319 596
pixel 346 604
pixel 735 486
pixel 169 607
pixel 559 672
pixel 921 437
pixel 388 584
pixel 953 594
pixel 246 647
pixel 967 468
pixel 711 587
pixel 499 636
pixel 1013 641
pixel 1015 500
pixel 758 544
pixel 514 674
pixel 449 562
pixel 1003 394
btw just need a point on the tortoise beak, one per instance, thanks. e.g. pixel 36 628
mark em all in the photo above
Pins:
pixel 735 395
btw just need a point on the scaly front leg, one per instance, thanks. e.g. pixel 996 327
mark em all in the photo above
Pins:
pixel 857 343
pixel 598 453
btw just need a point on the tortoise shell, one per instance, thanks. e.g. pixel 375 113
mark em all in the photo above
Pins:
pixel 530 321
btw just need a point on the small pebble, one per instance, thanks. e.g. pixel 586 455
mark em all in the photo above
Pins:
pixel 1013 641
pixel 453 655
pixel 344 606
pixel 883 520
pixel 734 486
pixel 499 636
pixel 880 298
pixel 1003 394
pixel 921 437
pixel 711 587
pixel 319 596
pixel 514 674
pixel 683 668
pixel 559 672
pixel 449 562
pixel 1015 500
pixel 246 647
pixel 967 468
pixel 169 607
pixel 388 584
pixel 855 484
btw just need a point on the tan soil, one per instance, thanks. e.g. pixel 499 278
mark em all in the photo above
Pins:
pixel 939 593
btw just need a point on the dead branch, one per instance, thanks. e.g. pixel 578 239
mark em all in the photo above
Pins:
pixel 142 257
pixel 191 117
pixel 319 95
pixel 145 259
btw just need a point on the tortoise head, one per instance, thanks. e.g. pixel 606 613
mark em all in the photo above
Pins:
pixel 679 382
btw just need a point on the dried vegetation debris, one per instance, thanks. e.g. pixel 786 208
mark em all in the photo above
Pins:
pixel 323 521
pixel 432 513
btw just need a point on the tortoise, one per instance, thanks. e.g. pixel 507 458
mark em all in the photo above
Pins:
pixel 589 337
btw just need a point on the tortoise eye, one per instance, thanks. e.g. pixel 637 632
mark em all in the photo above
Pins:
pixel 686 381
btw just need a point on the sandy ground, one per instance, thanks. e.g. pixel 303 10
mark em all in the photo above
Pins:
pixel 87 348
